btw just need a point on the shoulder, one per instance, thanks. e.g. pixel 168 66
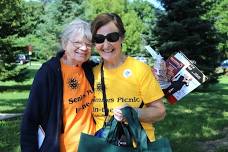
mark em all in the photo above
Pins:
pixel 97 67
pixel 89 64
pixel 50 67
pixel 51 64
pixel 138 64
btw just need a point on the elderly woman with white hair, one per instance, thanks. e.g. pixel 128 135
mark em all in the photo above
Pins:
pixel 59 107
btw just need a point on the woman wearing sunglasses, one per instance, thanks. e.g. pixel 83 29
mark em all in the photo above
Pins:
pixel 121 80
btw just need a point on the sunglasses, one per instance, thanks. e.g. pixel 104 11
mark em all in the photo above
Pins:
pixel 111 37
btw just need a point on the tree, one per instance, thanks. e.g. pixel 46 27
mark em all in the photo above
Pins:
pixel 56 15
pixel 181 27
pixel 146 12
pixel 219 14
pixel 12 25
pixel 133 24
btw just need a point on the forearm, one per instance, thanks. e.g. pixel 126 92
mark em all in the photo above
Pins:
pixel 152 113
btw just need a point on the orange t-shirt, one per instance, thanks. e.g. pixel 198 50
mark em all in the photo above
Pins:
pixel 77 107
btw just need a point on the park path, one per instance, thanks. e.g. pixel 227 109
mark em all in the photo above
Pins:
pixel 215 145
pixel 4 116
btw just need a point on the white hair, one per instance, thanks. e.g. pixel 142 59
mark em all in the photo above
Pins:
pixel 77 27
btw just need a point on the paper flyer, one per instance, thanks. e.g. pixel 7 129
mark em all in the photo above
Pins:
pixel 183 77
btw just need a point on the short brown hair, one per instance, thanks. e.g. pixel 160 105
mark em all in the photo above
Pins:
pixel 105 18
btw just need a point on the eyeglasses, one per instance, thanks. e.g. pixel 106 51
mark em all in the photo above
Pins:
pixel 111 37
pixel 80 44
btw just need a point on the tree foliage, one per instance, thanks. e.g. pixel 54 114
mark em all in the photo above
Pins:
pixel 132 22
pixel 184 25
pixel 146 12
pixel 182 28
pixel 219 14
pixel 55 15
pixel 12 25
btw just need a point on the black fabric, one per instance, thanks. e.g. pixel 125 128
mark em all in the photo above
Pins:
pixel 104 90
pixel 44 107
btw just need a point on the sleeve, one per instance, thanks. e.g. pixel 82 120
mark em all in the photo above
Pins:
pixel 32 116
pixel 150 89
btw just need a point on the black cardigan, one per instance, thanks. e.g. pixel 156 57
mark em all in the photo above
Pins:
pixel 45 106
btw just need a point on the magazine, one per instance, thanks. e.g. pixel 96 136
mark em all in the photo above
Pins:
pixel 182 76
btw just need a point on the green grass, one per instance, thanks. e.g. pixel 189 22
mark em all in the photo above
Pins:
pixel 198 117
pixel 9 131
pixel 13 97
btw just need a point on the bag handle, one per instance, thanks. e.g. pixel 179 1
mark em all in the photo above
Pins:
pixel 136 128
pixel 103 90
pixel 116 126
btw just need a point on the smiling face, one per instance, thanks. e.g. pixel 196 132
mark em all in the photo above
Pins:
pixel 76 42
pixel 109 51
pixel 77 49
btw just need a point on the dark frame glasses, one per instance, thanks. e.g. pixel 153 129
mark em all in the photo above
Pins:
pixel 111 37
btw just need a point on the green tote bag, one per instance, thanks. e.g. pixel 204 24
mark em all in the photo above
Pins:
pixel 134 132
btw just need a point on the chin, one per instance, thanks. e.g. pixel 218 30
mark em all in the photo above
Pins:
pixel 107 58
pixel 82 59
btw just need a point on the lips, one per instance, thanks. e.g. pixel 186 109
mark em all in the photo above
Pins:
pixel 80 53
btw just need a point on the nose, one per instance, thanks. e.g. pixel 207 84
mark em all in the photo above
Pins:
pixel 83 47
pixel 106 44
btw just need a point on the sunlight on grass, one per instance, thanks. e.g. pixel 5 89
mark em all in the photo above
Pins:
pixel 14 95
pixel 208 131
pixel 177 134
pixel 224 80
pixel 200 116
pixel 225 114
pixel 199 109
pixel 187 111
pixel 13 102
pixel 9 131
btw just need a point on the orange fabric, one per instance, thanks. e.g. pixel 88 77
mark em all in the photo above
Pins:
pixel 77 107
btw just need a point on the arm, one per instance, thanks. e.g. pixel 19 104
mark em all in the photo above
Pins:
pixel 33 112
pixel 151 94
pixel 153 112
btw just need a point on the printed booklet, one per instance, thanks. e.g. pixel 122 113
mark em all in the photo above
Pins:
pixel 41 136
pixel 182 76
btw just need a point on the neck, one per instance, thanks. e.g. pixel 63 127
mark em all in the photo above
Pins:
pixel 114 63
pixel 70 62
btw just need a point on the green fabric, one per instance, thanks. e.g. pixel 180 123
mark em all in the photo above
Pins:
pixel 115 132
pixel 135 131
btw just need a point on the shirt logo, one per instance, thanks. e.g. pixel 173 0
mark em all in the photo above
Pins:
pixel 127 73
pixel 99 87
pixel 73 83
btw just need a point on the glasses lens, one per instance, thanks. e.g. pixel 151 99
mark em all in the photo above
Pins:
pixel 79 45
pixel 98 38
pixel 113 37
